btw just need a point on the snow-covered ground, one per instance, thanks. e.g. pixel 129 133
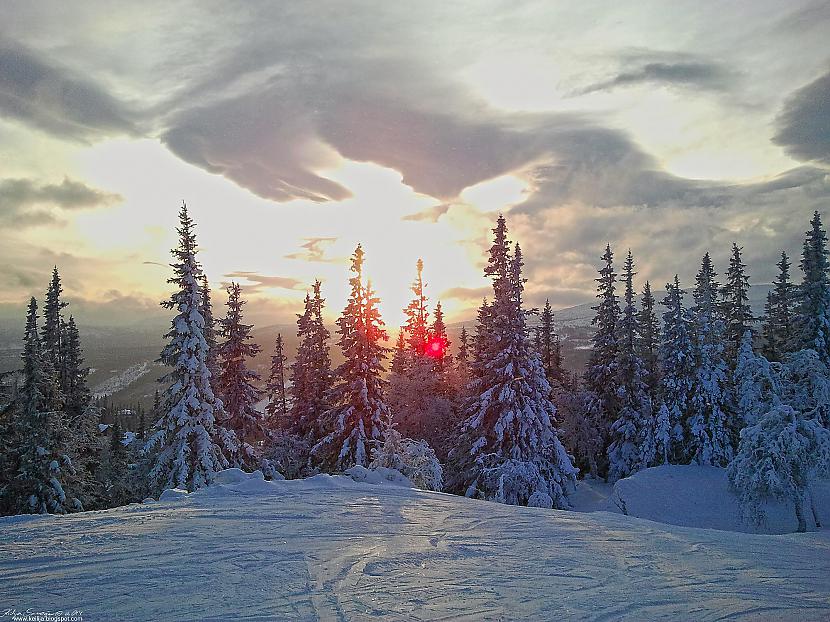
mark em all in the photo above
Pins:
pixel 329 548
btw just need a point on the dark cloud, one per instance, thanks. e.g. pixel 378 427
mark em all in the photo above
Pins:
pixel 667 69
pixel 804 124
pixel 261 281
pixel 314 250
pixel 43 94
pixel 24 202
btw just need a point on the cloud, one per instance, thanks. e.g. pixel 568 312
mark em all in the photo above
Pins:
pixel 25 203
pixel 466 294
pixel 45 95
pixel 667 69
pixel 804 124
pixel 431 214
pixel 314 250
pixel 260 282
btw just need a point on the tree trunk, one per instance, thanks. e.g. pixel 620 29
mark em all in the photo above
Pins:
pixel 799 512
pixel 813 508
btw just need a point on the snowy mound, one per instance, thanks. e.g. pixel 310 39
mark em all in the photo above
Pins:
pixel 699 496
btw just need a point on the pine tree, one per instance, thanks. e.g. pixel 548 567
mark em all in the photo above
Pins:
pixel 358 407
pixel 209 332
pixel 633 430
pixel 757 386
pixel 188 445
pixel 236 381
pixel 677 365
pixel 736 310
pixel 442 359
pixel 709 424
pixel 778 458
pixel 277 408
pixel 814 293
pixel 76 393
pixel 648 341
pixel 51 331
pixel 510 451
pixel 43 467
pixel 417 315
pixel 311 376
pixel 600 377
pixel 780 314
pixel 481 341
pixel 115 474
pixel 549 347
pixel 399 362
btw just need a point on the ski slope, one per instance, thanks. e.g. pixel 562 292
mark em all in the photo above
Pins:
pixel 329 548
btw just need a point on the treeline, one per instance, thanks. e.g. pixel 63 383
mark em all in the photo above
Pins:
pixel 495 417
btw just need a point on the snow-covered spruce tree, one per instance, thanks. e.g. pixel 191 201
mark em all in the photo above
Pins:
pixel 601 375
pixel 43 472
pixel 780 314
pixel 737 313
pixel 805 385
pixel 481 342
pixel 709 425
pixel 581 432
pixel 206 308
pixel 399 363
pixel 677 367
pixel 311 376
pixel 358 407
pixel 418 387
pixel 633 429
pixel 82 418
pixel 277 408
pixel 648 343
pixel 115 473
pixel 188 444
pixel 757 385
pixel 236 381
pixel 813 323
pixel 416 460
pixel 778 457
pixel 462 363
pixel 509 450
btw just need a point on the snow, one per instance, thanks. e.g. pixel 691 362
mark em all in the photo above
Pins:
pixel 330 548
pixel 122 379
pixel 699 496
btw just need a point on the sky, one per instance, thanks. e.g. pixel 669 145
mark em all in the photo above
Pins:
pixel 295 130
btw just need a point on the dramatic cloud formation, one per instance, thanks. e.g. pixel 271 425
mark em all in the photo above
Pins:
pixel 43 94
pixel 804 125
pixel 407 128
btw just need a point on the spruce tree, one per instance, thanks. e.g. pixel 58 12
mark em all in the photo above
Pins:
pixel 757 386
pixel 399 364
pixel 709 424
pixel 481 341
pixel 188 445
pixel 440 343
pixel 277 408
pixel 416 314
pixel 677 366
pixel 549 347
pixel 780 313
pixel 75 390
pixel 43 473
pixel 814 293
pixel 509 449
pixel 648 341
pixel 633 430
pixel 209 332
pixel 311 376
pixel 358 407
pixel 737 313
pixel 236 382
pixel 601 375
pixel 51 331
